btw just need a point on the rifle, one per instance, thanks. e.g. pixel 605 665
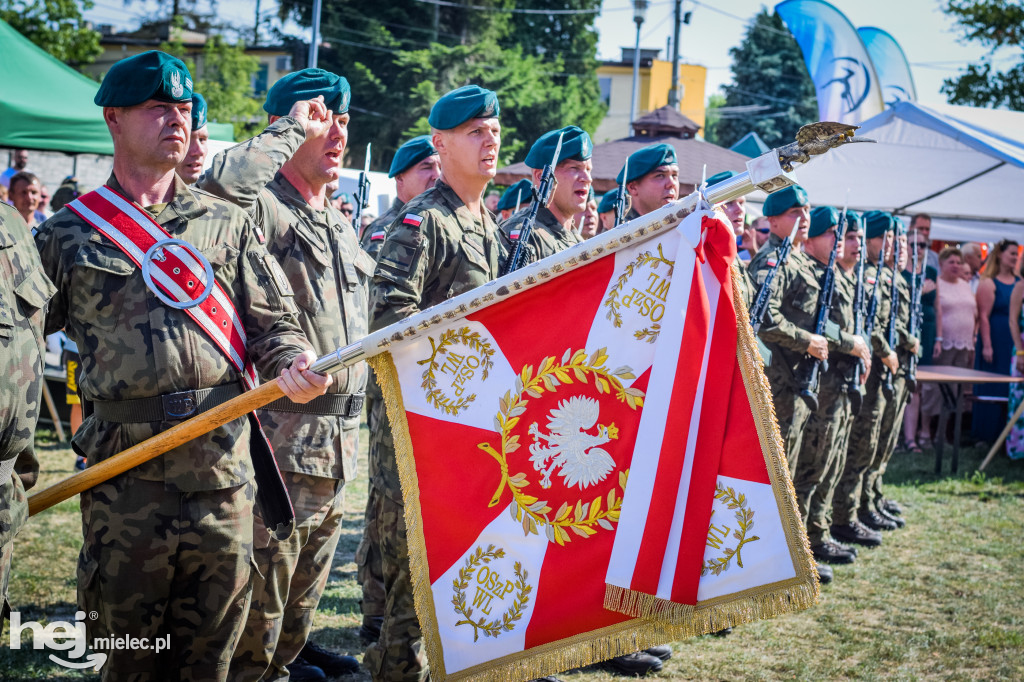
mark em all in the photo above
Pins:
pixel 620 197
pixel 828 287
pixel 853 388
pixel 760 306
pixel 916 314
pixel 887 387
pixel 547 185
pixel 362 192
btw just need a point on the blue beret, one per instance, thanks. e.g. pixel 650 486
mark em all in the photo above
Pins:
pixel 462 104
pixel 576 144
pixel 521 193
pixel 308 84
pixel 339 194
pixel 149 75
pixel 898 224
pixel 198 111
pixel 643 161
pixel 780 201
pixel 721 177
pixel 877 223
pixel 608 202
pixel 822 218
pixel 411 153
pixel 853 221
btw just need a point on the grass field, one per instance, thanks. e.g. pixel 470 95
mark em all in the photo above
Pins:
pixel 942 599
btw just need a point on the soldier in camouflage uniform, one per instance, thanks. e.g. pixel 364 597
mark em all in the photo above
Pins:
pixel 280 177
pixel 24 292
pixel 191 167
pixel 867 423
pixel 553 230
pixel 168 545
pixel 653 179
pixel 825 434
pixel 444 243
pixel 415 169
pixel 873 511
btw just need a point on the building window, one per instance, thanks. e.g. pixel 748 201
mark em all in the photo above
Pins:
pixel 284 63
pixel 259 81
pixel 605 82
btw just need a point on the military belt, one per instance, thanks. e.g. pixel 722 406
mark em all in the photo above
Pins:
pixel 329 404
pixel 167 407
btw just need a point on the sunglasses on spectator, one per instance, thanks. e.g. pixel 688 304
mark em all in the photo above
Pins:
pixel 764 230
pixel 347 211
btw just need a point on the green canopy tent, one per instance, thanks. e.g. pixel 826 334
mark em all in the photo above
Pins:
pixel 45 104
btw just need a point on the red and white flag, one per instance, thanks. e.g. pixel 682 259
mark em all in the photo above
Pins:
pixel 519 429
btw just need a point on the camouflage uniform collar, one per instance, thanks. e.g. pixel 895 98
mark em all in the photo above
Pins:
pixel 546 218
pixel 313 224
pixel 184 205
pixel 459 207
pixel 7 216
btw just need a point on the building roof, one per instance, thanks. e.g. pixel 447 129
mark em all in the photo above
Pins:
pixel 664 121
pixel 609 158
pixel 750 145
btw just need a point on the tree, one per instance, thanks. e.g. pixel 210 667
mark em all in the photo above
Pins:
pixel 771 82
pixel 56 26
pixel 225 81
pixel 995 24
pixel 712 117
pixel 399 57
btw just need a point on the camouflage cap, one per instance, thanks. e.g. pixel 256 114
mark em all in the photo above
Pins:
pixel 822 218
pixel 782 200
pixel 877 223
pixel 149 75
pixel 721 177
pixel 462 104
pixel 521 193
pixel 576 144
pixel 198 111
pixel 643 161
pixel 608 202
pixel 411 153
pixel 308 84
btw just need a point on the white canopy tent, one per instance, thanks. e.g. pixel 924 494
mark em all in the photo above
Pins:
pixel 961 165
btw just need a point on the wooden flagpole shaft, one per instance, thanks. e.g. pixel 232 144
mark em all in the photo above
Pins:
pixel 178 434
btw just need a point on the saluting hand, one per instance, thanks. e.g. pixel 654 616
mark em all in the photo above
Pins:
pixel 299 383
pixel 818 347
pixel 312 114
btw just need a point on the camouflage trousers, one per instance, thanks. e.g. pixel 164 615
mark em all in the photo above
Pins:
pixel 792 413
pixel 398 656
pixel 159 563
pixel 863 444
pixel 13 514
pixel 892 420
pixel 368 561
pixel 823 446
pixel 291 578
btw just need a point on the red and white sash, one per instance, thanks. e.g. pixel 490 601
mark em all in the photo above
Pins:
pixel 179 274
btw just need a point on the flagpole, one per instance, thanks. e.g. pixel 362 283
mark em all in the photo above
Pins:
pixel 764 172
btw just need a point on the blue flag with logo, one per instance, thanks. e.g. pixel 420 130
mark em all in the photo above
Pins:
pixel 844 78
pixel 890 64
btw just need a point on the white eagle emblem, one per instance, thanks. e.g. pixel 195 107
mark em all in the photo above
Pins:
pixel 570 447
pixel 176 89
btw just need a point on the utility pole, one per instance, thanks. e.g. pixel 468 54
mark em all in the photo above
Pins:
pixel 256 30
pixel 314 44
pixel 673 93
pixel 639 11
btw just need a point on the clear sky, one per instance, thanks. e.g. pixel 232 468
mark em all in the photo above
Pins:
pixel 925 33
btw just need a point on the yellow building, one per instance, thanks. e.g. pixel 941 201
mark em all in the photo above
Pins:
pixel 616 80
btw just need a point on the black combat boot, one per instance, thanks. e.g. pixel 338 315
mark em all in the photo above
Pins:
pixel 875 521
pixel 857 533
pixel 329 662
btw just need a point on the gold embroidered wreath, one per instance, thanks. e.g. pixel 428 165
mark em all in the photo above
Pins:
pixel 466 337
pixel 507 621
pixel 745 518
pixel 649 334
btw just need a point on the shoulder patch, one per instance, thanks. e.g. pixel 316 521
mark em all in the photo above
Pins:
pixel 378 235
pixel 412 219
pixel 515 232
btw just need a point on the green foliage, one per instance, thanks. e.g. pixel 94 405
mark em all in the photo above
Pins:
pixel 995 24
pixel 225 80
pixel 715 101
pixel 768 69
pixel 56 26
pixel 400 57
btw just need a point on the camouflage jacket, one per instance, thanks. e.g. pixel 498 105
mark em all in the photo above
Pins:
pixel 329 275
pixel 879 336
pixel 547 237
pixel 375 232
pixel 435 249
pixel 763 261
pixel 24 292
pixel 134 346
pixel 905 341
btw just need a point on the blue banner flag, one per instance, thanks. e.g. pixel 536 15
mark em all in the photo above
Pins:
pixel 890 64
pixel 844 78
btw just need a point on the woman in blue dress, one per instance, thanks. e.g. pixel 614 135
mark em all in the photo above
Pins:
pixel 995 349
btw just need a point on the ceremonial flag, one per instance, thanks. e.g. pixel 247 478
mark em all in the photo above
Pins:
pixel 518 429
pixel 891 65
pixel 844 78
